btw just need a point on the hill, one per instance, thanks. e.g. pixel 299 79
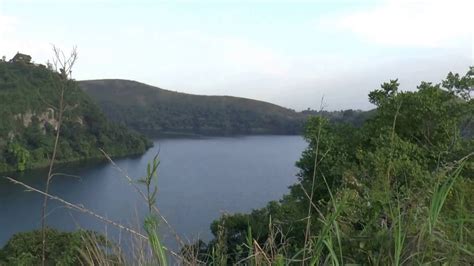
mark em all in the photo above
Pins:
pixel 152 111
pixel 28 121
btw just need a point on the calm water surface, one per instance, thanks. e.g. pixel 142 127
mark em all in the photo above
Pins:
pixel 199 179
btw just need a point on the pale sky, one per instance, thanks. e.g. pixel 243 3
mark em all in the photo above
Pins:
pixel 291 53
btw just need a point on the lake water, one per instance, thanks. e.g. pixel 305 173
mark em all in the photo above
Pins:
pixel 199 179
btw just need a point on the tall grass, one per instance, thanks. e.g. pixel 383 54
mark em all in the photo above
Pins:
pixel 64 65
pixel 440 194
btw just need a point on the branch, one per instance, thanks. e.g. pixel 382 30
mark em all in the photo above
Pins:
pixel 76 207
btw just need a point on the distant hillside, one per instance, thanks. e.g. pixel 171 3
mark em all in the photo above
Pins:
pixel 28 121
pixel 154 111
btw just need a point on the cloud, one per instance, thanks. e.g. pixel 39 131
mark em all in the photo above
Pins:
pixel 8 27
pixel 218 53
pixel 16 36
pixel 252 56
pixel 7 24
pixel 431 24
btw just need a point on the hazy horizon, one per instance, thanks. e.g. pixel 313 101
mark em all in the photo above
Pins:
pixel 290 54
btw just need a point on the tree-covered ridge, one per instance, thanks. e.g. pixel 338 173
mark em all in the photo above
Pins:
pixel 29 99
pixel 397 190
pixel 155 111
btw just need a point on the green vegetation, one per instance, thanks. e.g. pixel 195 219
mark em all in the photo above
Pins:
pixel 63 248
pixel 397 190
pixel 351 117
pixel 154 111
pixel 29 97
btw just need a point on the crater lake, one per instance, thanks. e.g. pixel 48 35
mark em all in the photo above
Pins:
pixel 198 180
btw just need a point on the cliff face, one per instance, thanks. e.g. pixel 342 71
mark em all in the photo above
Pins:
pixel 29 121
pixel 44 118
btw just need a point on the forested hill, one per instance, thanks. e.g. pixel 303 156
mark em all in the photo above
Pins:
pixel 29 98
pixel 153 111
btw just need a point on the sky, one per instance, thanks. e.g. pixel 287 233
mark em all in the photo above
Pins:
pixel 292 53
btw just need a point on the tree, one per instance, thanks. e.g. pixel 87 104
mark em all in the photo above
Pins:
pixel 19 154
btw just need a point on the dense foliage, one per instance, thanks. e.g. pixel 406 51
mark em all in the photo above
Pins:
pixel 398 189
pixel 29 98
pixel 351 117
pixel 63 248
pixel 155 111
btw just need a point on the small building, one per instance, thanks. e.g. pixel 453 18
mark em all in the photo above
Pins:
pixel 21 58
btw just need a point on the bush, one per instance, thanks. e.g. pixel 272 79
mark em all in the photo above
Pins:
pixel 63 248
